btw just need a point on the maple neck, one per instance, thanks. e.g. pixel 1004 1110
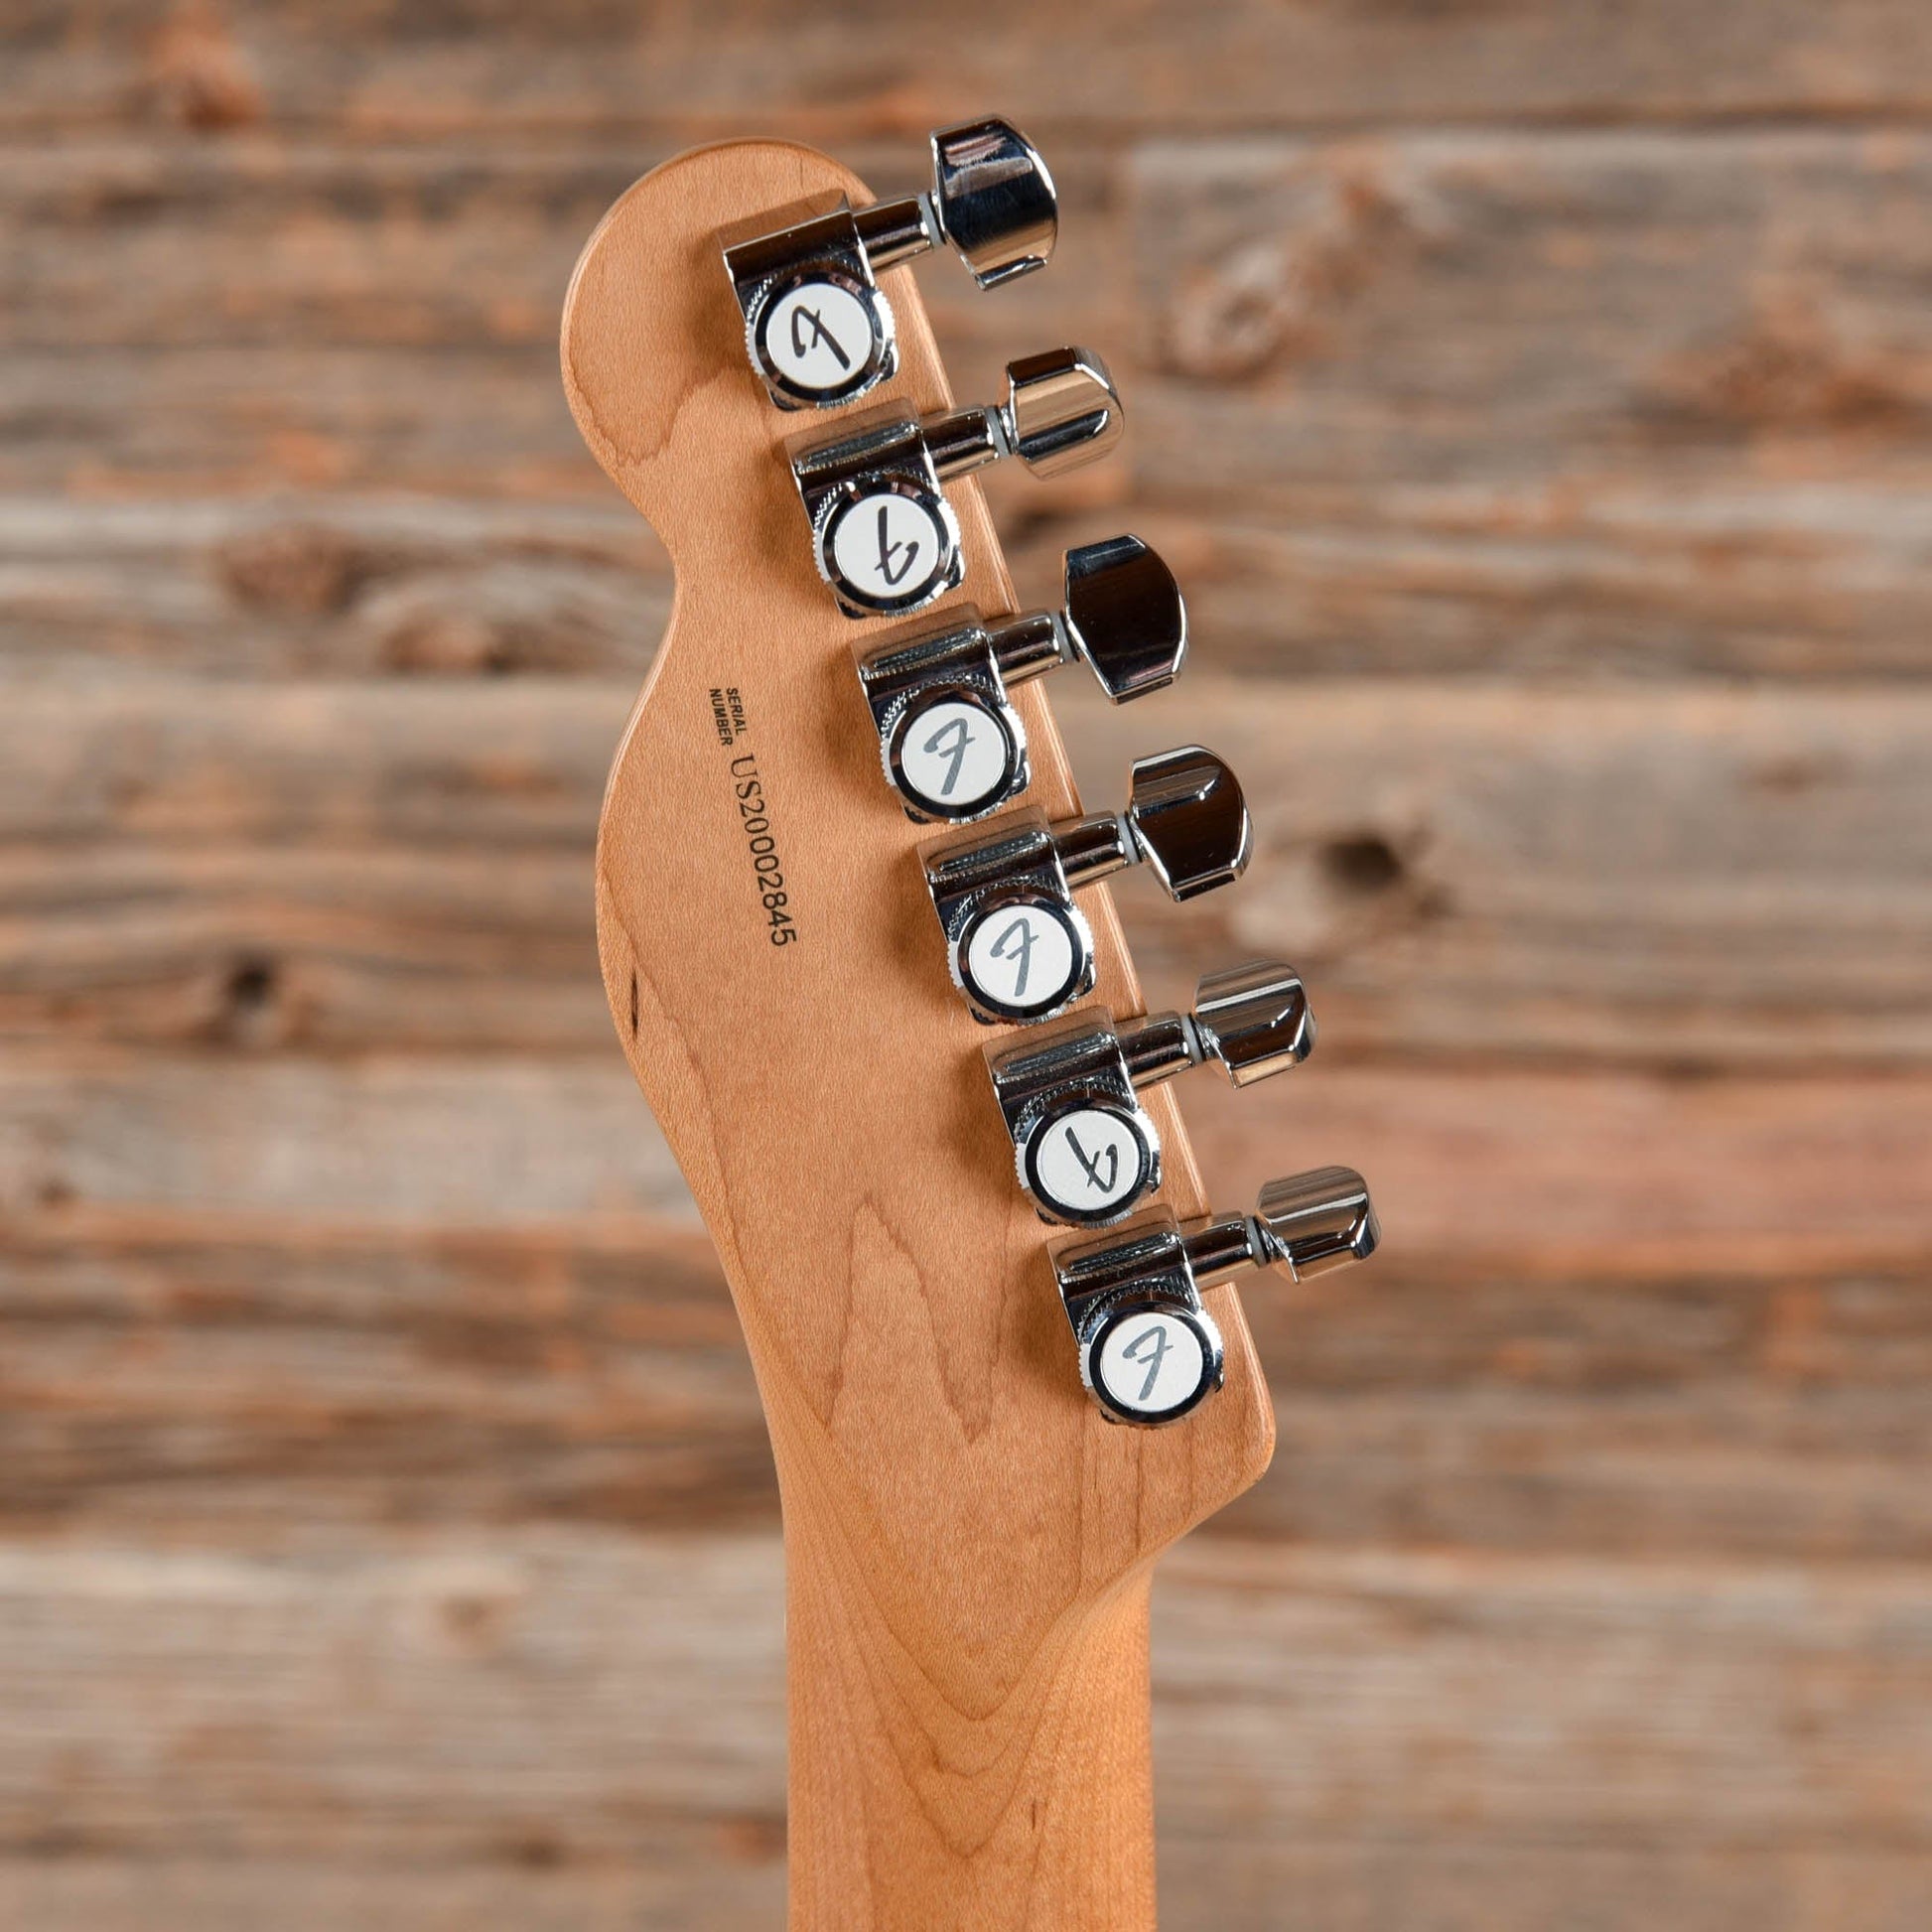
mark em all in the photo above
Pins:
pixel 933 1790
pixel 969 1539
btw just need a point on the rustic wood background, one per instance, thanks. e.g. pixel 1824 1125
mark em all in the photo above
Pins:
pixel 1536 399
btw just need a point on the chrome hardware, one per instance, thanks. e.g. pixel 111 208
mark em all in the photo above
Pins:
pixel 818 327
pixel 1253 1019
pixel 1085 1147
pixel 1017 946
pixel 951 741
pixel 885 536
pixel 1308 1223
pixel 1150 1352
pixel 993 199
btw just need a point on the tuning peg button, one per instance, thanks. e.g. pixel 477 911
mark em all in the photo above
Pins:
pixel 1187 820
pixel 1123 613
pixel 949 739
pixel 1019 947
pixel 1085 1149
pixel 1254 1020
pixel 1309 1225
pixel 883 535
pixel 1150 1352
pixel 993 200
pixel 817 326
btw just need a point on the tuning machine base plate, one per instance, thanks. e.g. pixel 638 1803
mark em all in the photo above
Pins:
pixel 818 328
pixel 883 534
pixel 950 739
pixel 1148 1350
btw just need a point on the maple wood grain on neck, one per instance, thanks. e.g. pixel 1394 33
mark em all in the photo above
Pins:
pixel 968 1542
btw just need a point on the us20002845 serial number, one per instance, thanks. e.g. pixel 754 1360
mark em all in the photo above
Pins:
pixel 766 866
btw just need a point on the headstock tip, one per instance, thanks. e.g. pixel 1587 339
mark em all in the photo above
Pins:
pixel 649 322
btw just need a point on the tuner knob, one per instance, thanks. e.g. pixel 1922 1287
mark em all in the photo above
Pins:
pixel 1254 1020
pixel 1018 946
pixel 1124 615
pixel 817 326
pixel 993 200
pixel 950 741
pixel 1187 821
pixel 1085 1149
pixel 883 535
pixel 1062 410
pixel 1314 1223
pixel 1150 1352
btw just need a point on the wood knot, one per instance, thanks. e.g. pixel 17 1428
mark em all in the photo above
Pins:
pixel 1265 301
pixel 1362 865
pixel 304 570
pixel 200 77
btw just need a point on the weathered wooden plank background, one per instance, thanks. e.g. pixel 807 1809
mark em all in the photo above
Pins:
pixel 1536 397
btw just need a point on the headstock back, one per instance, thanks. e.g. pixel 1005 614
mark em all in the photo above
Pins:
pixel 962 1524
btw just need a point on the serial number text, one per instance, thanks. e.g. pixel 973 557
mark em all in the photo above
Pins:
pixel 767 869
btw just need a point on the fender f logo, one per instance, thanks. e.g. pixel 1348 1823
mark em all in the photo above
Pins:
pixel 1090 1165
pixel 888 550
pixel 804 319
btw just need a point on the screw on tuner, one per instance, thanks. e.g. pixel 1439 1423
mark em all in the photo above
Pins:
pixel 1085 1149
pixel 1150 1352
pixel 884 537
pixel 1018 946
pixel 950 741
pixel 818 327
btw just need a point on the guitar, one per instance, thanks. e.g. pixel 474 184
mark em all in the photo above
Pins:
pixel 853 930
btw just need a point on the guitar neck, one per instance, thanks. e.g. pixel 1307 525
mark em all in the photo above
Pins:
pixel 969 1529
pixel 934 1791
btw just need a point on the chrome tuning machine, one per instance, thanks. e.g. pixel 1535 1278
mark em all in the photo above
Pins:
pixel 1150 1352
pixel 951 743
pixel 885 536
pixel 1019 947
pixel 817 325
pixel 1085 1149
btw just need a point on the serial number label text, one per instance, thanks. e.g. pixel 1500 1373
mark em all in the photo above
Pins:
pixel 754 820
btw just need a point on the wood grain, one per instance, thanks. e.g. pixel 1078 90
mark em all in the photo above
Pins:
pixel 329 587
pixel 1705 296
pixel 1531 401
pixel 1775 581
pixel 187 1369
pixel 1519 1169
pixel 293 242
pixel 1718 469
pixel 1699 877
pixel 1641 1725
pixel 429 70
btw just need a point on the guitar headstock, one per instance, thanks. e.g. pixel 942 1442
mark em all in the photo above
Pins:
pixel 767 906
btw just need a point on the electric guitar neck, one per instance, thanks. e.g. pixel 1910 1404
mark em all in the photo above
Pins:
pixel 862 957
